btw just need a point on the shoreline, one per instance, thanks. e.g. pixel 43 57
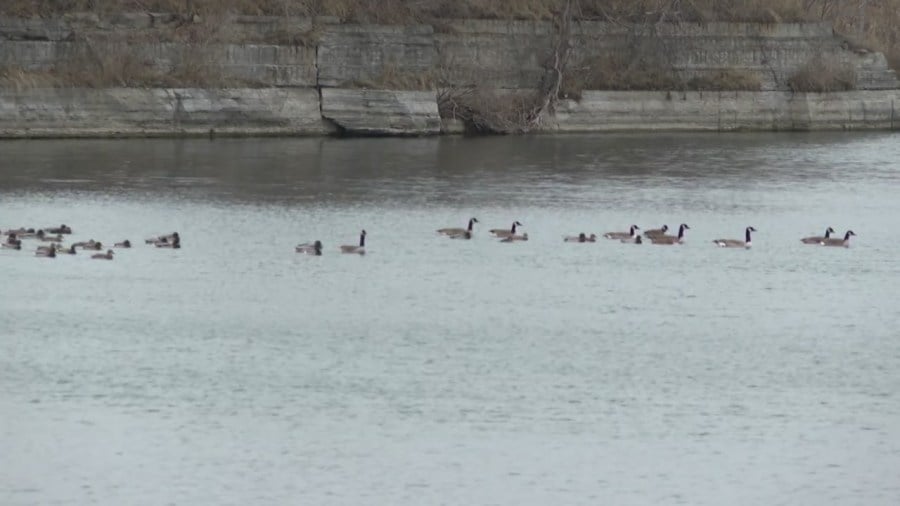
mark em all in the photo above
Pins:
pixel 45 113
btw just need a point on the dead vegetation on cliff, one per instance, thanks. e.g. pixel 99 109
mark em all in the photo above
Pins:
pixel 823 74
pixel 874 24
pixel 644 66
pixel 104 65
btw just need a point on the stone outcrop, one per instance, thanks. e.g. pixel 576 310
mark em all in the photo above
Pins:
pixel 601 111
pixel 112 112
pixel 134 112
pixel 381 112
pixel 300 76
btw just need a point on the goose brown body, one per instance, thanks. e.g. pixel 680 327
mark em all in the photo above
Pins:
pixel 515 237
pixel 622 235
pixel 656 232
pixel 359 250
pixel 458 231
pixel 670 240
pixel 503 232
pixel 833 241
pixel 817 239
pixel 735 243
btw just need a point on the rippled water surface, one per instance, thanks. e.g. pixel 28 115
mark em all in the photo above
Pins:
pixel 435 371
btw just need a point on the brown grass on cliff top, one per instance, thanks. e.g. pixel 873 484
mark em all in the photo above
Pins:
pixel 405 11
pixel 877 26
pixel 823 75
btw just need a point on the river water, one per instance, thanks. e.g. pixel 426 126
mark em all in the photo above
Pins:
pixel 437 371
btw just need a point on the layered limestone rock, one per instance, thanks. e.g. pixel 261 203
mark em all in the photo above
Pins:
pixel 381 112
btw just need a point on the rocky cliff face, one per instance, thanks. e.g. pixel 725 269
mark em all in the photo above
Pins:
pixel 303 76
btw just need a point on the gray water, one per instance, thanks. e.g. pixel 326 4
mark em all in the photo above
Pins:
pixel 434 371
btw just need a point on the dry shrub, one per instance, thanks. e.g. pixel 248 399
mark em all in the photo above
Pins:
pixel 726 80
pixel 821 75
pixel 488 111
pixel 392 78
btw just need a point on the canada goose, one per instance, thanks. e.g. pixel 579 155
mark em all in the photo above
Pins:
pixel 654 232
pixel 465 234
pixel 124 244
pixel 458 231
pixel 622 235
pixel 845 242
pixel 103 256
pixel 582 237
pixel 817 239
pixel 515 237
pixel 62 229
pixel 359 250
pixel 734 243
pixel 632 240
pixel 668 239
pixel 49 253
pixel 502 232
pixel 310 248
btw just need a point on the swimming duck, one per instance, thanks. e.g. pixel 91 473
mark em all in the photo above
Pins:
pixel 175 243
pixel 92 244
pixel 14 244
pixel 124 244
pixel 162 238
pixel 310 248
pixel 21 232
pixel 502 232
pixel 582 237
pixel 632 240
pixel 68 251
pixel 62 229
pixel 104 256
pixel 359 250
pixel 845 242
pixel 668 239
pixel 41 235
pixel 459 231
pixel 49 253
pixel 622 235
pixel 515 237
pixel 654 232
pixel 735 243
pixel 817 239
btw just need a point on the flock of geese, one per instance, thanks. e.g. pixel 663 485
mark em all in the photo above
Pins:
pixel 658 236
pixel 50 242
